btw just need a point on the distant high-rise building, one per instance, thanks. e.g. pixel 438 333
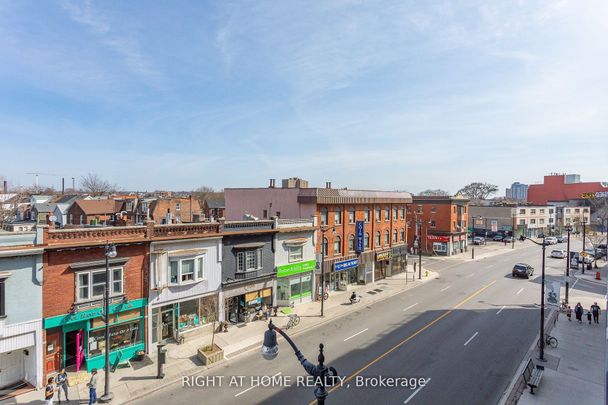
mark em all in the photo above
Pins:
pixel 517 191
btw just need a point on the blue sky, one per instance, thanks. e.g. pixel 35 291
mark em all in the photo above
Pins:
pixel 376 94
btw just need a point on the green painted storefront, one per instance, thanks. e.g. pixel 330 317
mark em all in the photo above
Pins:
pixel 127 332
pixel 294 282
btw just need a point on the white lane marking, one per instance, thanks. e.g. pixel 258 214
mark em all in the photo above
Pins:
pixel 358 333
pixel 471 338
pixel 572 286
pixel 410 307
pixel 470 275
pixel 499 311
pixel 253 386
pixel 519 292
pixel 442 290
pixel 415 392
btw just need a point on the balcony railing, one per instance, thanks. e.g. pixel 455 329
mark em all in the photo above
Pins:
pixel 244 226
pixel 176 230
pixel 67 236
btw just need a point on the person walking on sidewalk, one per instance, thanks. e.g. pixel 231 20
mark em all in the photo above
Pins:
pixel 578 311
pixel 589 317
pixel 569 313
pixel 62 384
pixel 595 310
pixel 49 391
pixel 92 384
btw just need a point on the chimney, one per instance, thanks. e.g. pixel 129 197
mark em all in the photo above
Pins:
pixel 328 184
pixel 62 185
pixel 272 183
pixel 5 186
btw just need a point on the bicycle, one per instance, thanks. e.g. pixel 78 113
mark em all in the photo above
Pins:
pixel 325 296
pixel 294 320
pixel 549 341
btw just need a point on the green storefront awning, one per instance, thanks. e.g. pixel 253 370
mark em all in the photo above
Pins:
pixel 92 313
pixel 296 268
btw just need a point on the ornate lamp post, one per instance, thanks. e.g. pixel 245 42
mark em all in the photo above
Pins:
pixel 109 252
pixel 568 230
pixel 324 376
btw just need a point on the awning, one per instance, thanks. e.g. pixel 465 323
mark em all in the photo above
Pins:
pixel 187 252
pixel 296 241
pixel 252 245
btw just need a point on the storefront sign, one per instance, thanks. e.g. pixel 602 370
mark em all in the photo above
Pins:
pixel 437 238
pixel 359 247
pixel 296 268
pixel 345 265
pixel 92 313
pixel 384 255
pixel 597 194
pixel 494 225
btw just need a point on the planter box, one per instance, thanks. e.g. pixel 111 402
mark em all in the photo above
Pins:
pixel 211 356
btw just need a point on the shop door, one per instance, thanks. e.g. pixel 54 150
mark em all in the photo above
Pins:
pixel 53 351
pixel 11 368
pixel 166 323
pixel 73 348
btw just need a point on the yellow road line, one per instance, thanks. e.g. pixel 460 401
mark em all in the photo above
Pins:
pixel 413 335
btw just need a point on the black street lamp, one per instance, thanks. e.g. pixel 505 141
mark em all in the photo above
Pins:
pixel 542 297
pixel 323 249
pixel 323 376
pixel 109 252
pixel 568 229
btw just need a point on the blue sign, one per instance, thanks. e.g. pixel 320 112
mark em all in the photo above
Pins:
pixel 345 265
pixel 359 231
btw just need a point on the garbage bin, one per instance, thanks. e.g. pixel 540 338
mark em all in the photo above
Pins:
pixel 162 359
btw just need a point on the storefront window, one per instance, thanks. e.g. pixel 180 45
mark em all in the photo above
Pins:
pixel 188 315
pixel 122 335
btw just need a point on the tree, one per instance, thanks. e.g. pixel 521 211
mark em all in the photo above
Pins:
pixel 202 193
pixel 478 190
pixel 94 185
pixel 8 210
pixel 596 239
pixel 434 193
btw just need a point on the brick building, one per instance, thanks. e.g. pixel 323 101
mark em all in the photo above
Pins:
pixel 564 188
pixel 443 224
pixel 381 214
pixel 174 210
pixel 93 212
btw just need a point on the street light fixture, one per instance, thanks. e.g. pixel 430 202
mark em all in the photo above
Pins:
pixel 568 230
pixel 109 253
pixel 542 296
pixel 323 376
pixel 322 295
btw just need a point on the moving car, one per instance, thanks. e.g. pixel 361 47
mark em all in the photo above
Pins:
pixel 558 253
pixel 507 239
pixel 552 240
pixel 561 238
pixel 498 238
pixel 478 240
pixel 522 270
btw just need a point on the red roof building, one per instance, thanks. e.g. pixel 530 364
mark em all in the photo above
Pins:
pixel 561 187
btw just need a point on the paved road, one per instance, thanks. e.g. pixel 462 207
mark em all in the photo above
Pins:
pixel 464 333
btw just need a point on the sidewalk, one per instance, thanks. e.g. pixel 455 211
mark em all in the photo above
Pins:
pixel 575 370
pixel 131 383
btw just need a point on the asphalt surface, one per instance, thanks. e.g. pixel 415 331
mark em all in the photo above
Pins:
pixel 462 335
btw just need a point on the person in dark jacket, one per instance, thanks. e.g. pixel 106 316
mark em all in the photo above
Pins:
pixel 62 384
pixel 578 311
pixel 589 317
pixel 595 310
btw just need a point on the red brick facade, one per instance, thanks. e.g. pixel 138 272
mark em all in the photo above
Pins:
pixel 180 210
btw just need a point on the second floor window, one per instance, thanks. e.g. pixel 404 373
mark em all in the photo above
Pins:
pixel 296 253
pixel 433 224
pixel 178 206
pixel 395 236
pixel 186 270
pixel 387 214
pixel 325 246
pixel 366 240
pixel 351 215
pixel 378 214
pixel 402 232
pixel 249 260
pixel 395 213
pixel 367 214
pixel 323 216
pixel 378 238
pixel 90 285
pixel 522 212
pixel 402 212
pixel 337 245
pixel 337 216
pixel 387 237
pixel 351 243
pixel 522 221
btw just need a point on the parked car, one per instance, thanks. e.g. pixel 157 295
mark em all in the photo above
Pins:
pixel 587 256
pixel 478 240
pixel 561 238
pixel 507 239
pixel 498 238
pixel 558 254
pixel 601 250
pixel 552 240
pixel 522 270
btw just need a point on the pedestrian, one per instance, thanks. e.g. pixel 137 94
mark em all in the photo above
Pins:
pixel 578 311
pixel 414 267
pixel 49 391
pixel 569 313
pixel 589 317
pixel 62 384
pixel 92 384
pixel 595 310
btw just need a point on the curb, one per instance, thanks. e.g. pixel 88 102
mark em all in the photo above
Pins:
pixel 202 369
pixel 517 386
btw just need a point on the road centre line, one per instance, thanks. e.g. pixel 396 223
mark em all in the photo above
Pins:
pixel 442 290
pixel 253 386
pixel 410 337
pixel 500 310
pixel 471 338
pixel 417 390
pixel 356 334
pixel 519 292
pixel 410 307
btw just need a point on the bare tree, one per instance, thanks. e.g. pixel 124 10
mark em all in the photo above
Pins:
pixel 8 210
pixel 596 239
pixel 434 193
pixel 202 193
pixel 94 185
pixel 478 190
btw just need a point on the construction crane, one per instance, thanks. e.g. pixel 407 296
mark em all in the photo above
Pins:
pixel 42 174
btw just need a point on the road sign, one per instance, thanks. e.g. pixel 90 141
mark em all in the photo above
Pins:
pixel 584 254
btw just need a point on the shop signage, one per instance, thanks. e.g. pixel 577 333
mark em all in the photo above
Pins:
pixel 345 265
pixel 359 247
pixel 597 194
pixel 296 268
pixel 384 255
pixel 494 225
pixel 437 238
pixel 92 313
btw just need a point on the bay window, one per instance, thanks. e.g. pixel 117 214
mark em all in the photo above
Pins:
pixel 247 260
pixel 187 270
pixel 90 285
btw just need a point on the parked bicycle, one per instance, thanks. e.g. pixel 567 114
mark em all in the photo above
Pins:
pixel 325 296
pixel 294 320
pixel 549 341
